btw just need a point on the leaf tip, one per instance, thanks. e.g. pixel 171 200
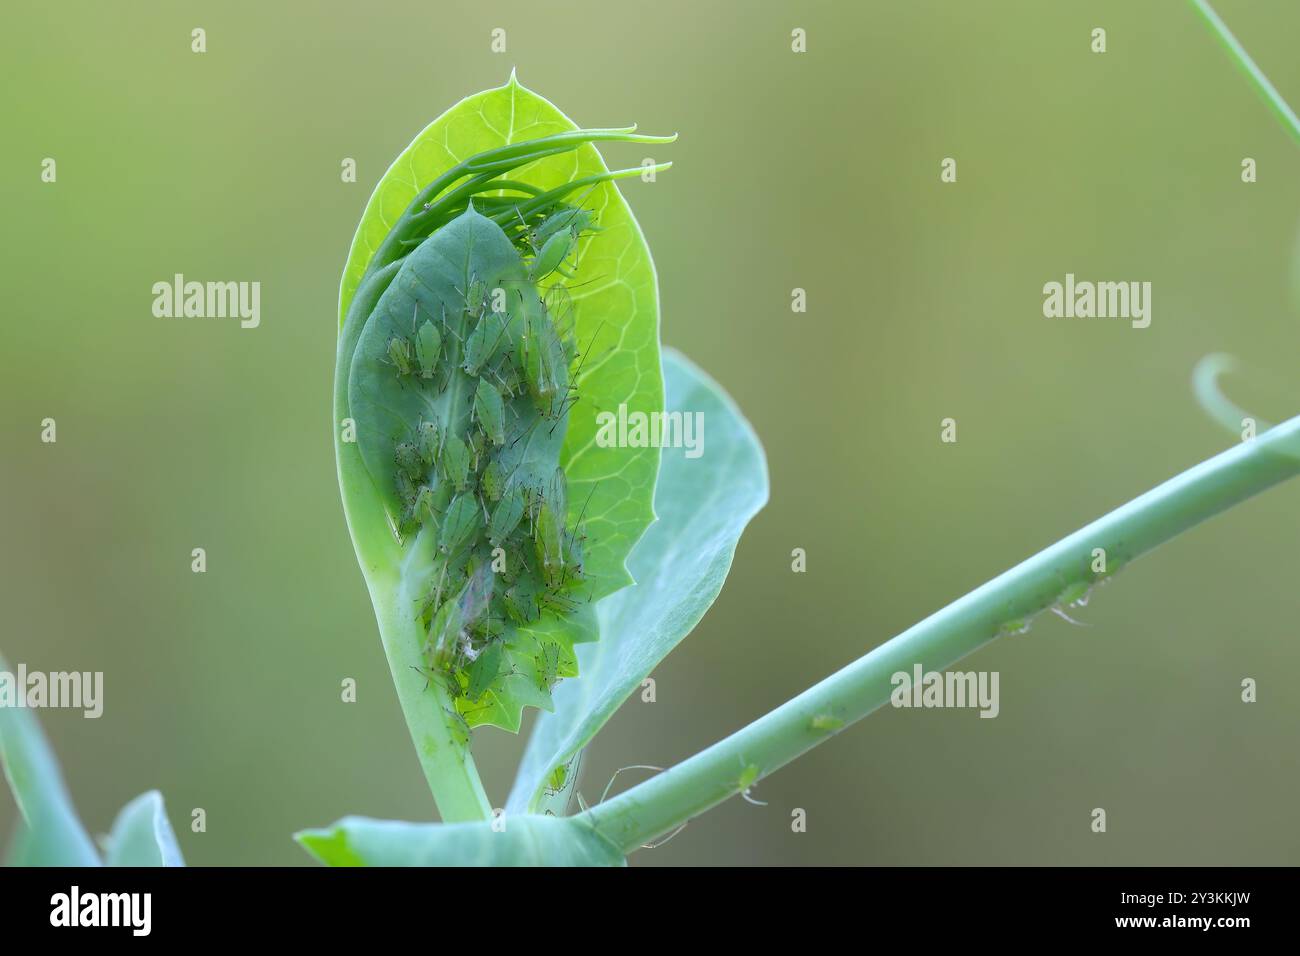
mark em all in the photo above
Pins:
pixel 328 846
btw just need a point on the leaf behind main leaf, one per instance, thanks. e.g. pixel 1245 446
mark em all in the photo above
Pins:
pixel 703 504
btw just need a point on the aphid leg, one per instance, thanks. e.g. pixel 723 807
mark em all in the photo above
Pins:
pixel 635 766
pixel 658 843
pixel 1060 612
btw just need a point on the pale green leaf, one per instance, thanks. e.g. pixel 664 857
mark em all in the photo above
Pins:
pixel 142 835
pixel 703 504
pixel 517 841
pixel 54 835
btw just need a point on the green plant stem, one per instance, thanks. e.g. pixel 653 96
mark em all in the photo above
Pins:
pixel 440 739
pixel 680 793
pixel 430 714
pixel 1248 65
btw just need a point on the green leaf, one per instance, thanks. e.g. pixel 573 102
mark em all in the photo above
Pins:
pixel 430 282
pixel 703 504
pixel 142 835
pixel 524 841
pixel 414 255
pixel 54 835
pixel 615 303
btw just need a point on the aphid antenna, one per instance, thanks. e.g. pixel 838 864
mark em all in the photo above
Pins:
pixel 565 405
pixel 587 351
pixel 583 513
pixel 570 286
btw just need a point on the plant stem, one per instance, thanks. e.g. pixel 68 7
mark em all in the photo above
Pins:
pixel 1256 75
pixel 670 799
pixel 440 737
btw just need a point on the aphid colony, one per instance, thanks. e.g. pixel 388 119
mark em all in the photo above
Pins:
pixel 495 363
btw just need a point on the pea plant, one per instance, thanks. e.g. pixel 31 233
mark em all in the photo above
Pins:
pixel 497 312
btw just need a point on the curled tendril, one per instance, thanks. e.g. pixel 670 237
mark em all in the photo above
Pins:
pixel 1223 410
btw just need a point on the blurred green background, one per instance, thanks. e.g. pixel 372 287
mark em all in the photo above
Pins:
pixel 818 170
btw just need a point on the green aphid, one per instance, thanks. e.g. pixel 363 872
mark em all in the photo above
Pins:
pixel 492 481
pixel 572 218
pixel 454 462
pixel 546 367
pixel 428 345
pixel 476 297
pixel 748 777
pixel 548 665
pixel 557 494
pixel 483 670
pixel 475 599
pixel 406 490
pixel 508 379
pixel 460 727
pixel 461 521
pixel 1076 595
pixel 459 615
pixel 479 446
pixel 490 411
pixel 422 509
pixel 489 627
pixel 826 722
pixel 409 461
pixel 506 517
pixel 556 601
pixel 548 540
pixel 520 603
pixel 485 341
pixel 552 254
pixel 557 778
pixel 444 633
pixel 399 354
pixel 426 441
